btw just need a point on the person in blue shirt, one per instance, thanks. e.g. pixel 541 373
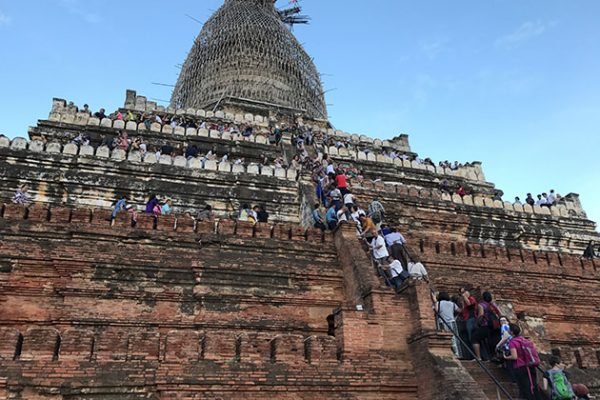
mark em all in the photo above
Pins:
pixel 119 206
pixel 318 218
pixel 331 217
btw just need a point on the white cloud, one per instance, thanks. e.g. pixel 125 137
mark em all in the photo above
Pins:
pixel 528 30
pixel 76 8
pixel 434 47
pixel 4 19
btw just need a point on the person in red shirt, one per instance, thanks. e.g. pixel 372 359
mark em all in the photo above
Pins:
pixel 461 191
pixel 340 180
pixel 466 320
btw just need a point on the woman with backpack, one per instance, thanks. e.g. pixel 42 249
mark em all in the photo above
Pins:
pixel 487 331
pixel 556 380
pixel 526 359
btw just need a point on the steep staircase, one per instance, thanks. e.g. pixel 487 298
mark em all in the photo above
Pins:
pixel 488 387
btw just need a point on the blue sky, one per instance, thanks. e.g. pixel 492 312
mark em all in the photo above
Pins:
pixel 513 84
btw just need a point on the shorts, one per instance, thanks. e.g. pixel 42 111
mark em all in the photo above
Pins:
pixel 480 334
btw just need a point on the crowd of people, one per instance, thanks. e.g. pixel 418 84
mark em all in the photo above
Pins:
pixel 543 200
pixel 488 335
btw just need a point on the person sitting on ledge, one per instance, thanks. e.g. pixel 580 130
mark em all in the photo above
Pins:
pixel 86 109
pixel 244 213
pixel 167 149
pixel 101 114
pixel 206 214
pixel 529 200
pixel 262 214
pixel 517 201
pixel 318 218
pixel 589 251
pixel 461 191
pixel 541 201
pixel 120 205
pixel 167 208
pixel 331 217
pixel 21 196
pixel 551 199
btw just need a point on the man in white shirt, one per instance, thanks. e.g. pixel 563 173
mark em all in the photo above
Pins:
pixel 330 169
pixel 380 251
pixel 417 270
pixel 551 199
pixel 395 269
pixel 341 215
pixel 540 201
pixel 348 200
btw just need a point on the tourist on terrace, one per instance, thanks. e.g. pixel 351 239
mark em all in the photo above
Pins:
pixel 244 213
pixel 167 149
pixel 151 204
pixel 380 252
pixel 445 186
pixel 262 214
pixel 446 311
pixel 589 251
pixel 21 196
pixel 525 375
pixel 529 200
pixel 167 208
pixel 318 218
pixel 191 152
pixel 86 109
pixel 416 270
pixel 331 217
pixel 551 199
pixel 120 205
pixel 461 191
pixel 206 214
pixel 100 114
pixel 336 197
pixel 541 201
pixel 517 201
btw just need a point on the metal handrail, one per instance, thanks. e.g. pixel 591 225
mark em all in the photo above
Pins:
pixel 485 369
pixel 466 346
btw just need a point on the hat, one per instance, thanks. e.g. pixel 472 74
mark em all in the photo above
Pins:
pixel 580 390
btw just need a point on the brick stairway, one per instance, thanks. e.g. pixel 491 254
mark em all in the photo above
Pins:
pixel 486 384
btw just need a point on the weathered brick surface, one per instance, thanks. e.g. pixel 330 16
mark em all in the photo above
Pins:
pixel 194 314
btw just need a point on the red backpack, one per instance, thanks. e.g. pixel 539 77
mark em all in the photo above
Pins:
pixel 527 355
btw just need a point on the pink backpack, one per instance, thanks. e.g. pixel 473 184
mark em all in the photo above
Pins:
pixel 527 355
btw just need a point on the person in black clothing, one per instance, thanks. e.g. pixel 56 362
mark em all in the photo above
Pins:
pixel 100 114
pixel 191 152
pixel 262 214
pixel 530 200
pixel 589 251
pixel 167 149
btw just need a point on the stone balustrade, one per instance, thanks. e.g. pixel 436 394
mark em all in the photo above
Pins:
pixel 472 173
pixel 566 209
pixel 70 149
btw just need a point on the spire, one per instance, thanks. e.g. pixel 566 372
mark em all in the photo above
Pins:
pixel 246 52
